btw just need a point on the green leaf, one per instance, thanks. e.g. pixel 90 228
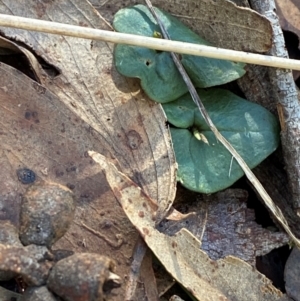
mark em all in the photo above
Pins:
pixel 159 76
pixel 251 129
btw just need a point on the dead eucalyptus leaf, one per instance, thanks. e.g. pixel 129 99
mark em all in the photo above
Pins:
pixel 225 279
pixel 39 132
pixel 91 107
pixel 131 128
pixel 221 22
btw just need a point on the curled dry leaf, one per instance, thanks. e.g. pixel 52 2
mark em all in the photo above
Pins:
pixel 226 279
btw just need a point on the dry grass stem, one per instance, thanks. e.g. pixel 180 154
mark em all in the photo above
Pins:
pixel 152 43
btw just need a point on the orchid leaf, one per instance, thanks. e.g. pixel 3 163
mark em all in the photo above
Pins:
pixel 204 165
pixel 159 76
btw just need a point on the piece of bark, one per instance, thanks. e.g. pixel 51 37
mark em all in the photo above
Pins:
pixel 282 94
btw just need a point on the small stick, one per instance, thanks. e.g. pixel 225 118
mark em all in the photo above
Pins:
pixel 147 42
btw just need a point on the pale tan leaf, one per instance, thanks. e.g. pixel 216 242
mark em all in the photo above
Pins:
pixel 225 279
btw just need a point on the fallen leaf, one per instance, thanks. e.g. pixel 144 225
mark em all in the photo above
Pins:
pixel 91 107
pixel 226 279
pixel 221 22
pixel 48 144
pixel 225 226
pixel 131 128
pixel 288 12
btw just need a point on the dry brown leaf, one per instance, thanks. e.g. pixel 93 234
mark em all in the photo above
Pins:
pixel 220 22
pixel 225 279
pixel 131 127
pixel 225 226
pixel 39 132
pixel 95 108
pixel 289 15
pixel 288 12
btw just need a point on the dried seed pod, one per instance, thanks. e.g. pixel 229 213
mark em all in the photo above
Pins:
pixel 33 263
pixel 83 276
pixel 47 211
pixel 38 294
pixel 8 236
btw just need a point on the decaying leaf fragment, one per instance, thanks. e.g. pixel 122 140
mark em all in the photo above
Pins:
pixel 221 22
pixel 225 226
pixel 225 279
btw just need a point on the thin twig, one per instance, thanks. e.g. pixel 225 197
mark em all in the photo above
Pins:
pixel 152 43
pixel 250 175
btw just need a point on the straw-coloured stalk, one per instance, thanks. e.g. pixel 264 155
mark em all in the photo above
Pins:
pixel 152 43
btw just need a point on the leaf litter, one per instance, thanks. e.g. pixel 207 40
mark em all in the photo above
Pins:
pixel 225 279
pixel 66 115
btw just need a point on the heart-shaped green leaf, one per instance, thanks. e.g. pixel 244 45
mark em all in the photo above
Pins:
pixel 204 163
pixel 159 76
